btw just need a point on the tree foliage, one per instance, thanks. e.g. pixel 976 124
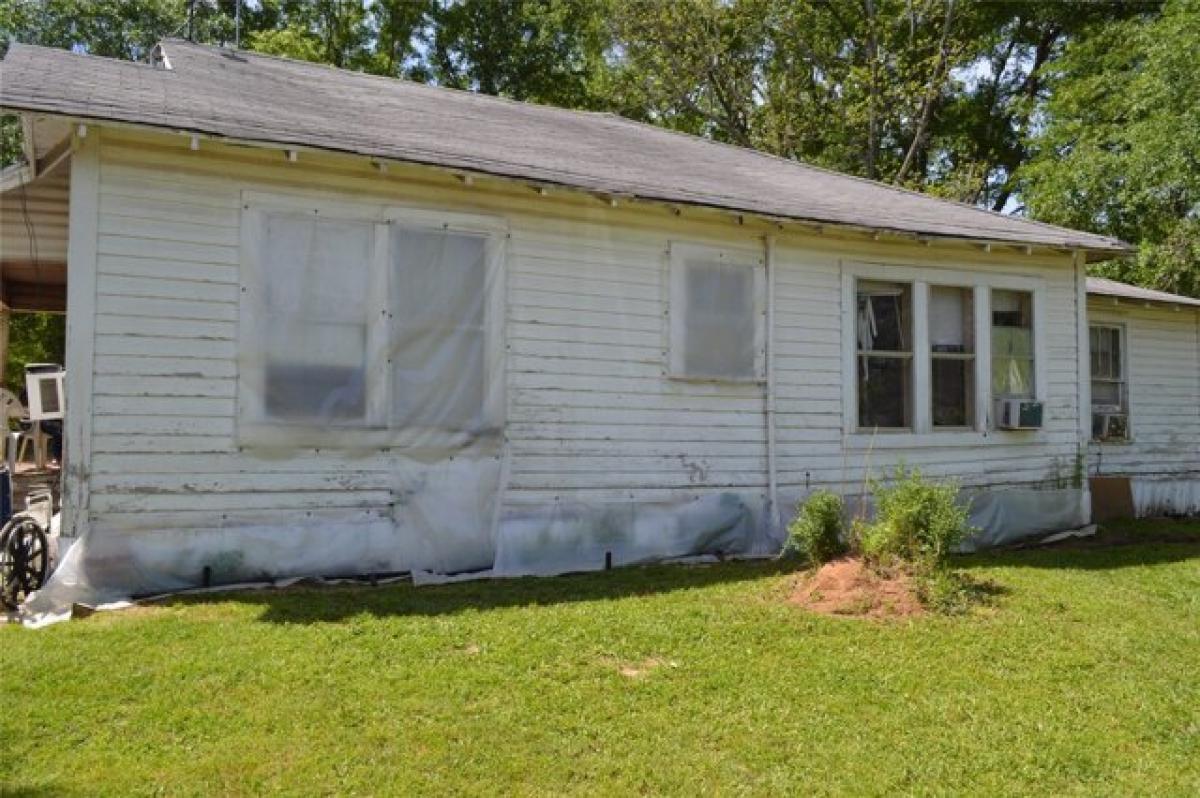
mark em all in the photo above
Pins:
pixel 1013 105
pixel 1120 149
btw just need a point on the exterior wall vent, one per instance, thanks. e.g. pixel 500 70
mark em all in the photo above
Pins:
pixel 158 58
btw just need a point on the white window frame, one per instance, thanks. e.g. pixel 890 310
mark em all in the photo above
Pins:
pixel 1037 336
pixel 921 277
pixel 908 355
pixel 253 429
pixel 1123 336
pixel 970 357
pixel 678 253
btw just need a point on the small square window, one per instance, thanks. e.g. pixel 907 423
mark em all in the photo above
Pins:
pixel 716 326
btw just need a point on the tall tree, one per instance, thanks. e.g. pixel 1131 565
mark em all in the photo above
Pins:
pixel 1119 149
pixel 548 51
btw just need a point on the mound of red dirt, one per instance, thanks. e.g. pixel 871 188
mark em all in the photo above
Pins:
pixel 849 587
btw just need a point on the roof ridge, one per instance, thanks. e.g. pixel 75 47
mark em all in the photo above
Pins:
pixel 485 98
pixel 408 82
pixel 834 173
pixel 581 148
pixel 15 45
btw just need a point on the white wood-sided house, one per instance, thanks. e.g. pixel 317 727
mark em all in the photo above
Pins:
pixel 1144 455
pixel 327 323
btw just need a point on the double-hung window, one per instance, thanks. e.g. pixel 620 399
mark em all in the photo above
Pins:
pixel 316 331
pixel 952 356
pixel 1110 397
pixel 364 325
pixel 926 350
pixel 1012 344
pixel 885 354
pixel 438 345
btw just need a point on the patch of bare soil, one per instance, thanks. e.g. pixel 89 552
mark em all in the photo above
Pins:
pixel 848 587
pixel 639 670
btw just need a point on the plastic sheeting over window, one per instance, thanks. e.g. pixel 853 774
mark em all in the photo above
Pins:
pixel 717 322
pixel 316 277
pixel 438 344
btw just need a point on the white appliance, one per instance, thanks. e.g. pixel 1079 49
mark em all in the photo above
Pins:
pixel 1018 414
pixel 44 384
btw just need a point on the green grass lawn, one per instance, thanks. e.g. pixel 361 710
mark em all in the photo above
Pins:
pixel 1083 678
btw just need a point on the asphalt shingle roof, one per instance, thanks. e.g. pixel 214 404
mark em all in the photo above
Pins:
pixel 246 96
pixel 1100 286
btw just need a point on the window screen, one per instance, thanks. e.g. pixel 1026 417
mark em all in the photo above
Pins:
pixel 439 282
pixel 884 340
pixel 719 322
pixel 1012 344
pixel 316 277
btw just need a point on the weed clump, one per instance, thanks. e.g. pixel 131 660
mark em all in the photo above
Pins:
pixel 907 546
pixel 917 523
pixel 816 533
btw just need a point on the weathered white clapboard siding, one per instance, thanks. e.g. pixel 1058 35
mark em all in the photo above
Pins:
pixel 1163 362
pixel 591 414
pixel 811 384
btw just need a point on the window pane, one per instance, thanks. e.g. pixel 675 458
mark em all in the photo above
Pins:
pixel 884 311
pixel 438 341
pixel 719 320
pixel 1012 376
pixel 884 391
pixel 1012 343
pixel 1012 309
pixel 315 284
pixel 1114 345
pixel 317 269
pixel 951 320
pixel 953 392
pixel 1107 395
pixel 1106 352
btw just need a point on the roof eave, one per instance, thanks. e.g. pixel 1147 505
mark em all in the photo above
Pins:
pixel 1091 252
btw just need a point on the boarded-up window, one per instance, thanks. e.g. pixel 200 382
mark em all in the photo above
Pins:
pixel 952 353
pixel 716 329
pixel 439 284
pixel 885 354
pixel 316 278
pixel 1012 344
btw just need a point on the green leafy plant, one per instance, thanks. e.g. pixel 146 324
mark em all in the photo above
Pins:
pixel 917 523
pixel 817 530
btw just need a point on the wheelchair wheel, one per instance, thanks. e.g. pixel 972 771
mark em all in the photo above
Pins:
pixel 24 560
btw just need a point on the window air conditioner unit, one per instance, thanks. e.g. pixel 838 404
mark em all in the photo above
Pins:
pixel 44 384
pixel 1110 426
pixel 1018 414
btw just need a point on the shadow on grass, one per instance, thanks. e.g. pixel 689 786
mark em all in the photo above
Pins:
pixel 1089 555
pixel 35 791
pixel 316 604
